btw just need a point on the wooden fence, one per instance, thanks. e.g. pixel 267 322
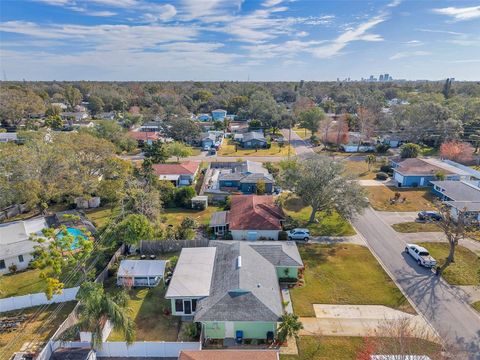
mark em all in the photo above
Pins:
pixel 165 246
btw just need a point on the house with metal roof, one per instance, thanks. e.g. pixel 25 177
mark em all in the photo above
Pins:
pixel 232 287
pixel 16 248
pixel 420 172
pixel 460 196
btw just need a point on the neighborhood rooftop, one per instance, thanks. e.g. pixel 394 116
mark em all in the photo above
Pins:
pixel 141 268
pixel 14 236
pixel 428 166
pixel 184 168
pixel 255 212
pixel 193 273
pixel 458 190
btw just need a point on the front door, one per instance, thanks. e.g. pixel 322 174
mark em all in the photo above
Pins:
pixel 187 307
pixel 229 331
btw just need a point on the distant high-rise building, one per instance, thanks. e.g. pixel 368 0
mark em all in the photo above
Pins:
pixel 380 78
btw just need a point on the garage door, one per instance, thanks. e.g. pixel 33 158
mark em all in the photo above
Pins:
pixel 252 235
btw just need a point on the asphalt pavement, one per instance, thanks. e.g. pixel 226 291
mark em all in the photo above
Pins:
pixel 442 305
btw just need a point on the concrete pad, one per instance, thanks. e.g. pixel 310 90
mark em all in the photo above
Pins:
pixel 373 182
pixel 396 217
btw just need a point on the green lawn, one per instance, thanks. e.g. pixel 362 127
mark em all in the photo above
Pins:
pixel 476 305
pixel 327 225
pixel 359 169
pixel 21 283
pixel 344 274
pixel 100 216
pixel 415 199
pixel 42 326
pixel 303 133
pixel 148 305
pixel 228 149
pixel 174 216
pixel 327 348
pixel 466 268
pixel 415 227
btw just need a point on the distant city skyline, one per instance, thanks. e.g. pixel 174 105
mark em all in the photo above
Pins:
pixel 214 40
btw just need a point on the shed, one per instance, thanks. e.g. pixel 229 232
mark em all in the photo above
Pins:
pixel 140 272
pixel 200 202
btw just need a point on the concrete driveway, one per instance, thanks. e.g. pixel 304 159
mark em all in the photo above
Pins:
pixel 440 303
pixel 359 320
pixel 395 217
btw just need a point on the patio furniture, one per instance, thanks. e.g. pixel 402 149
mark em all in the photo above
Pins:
pixel 239 336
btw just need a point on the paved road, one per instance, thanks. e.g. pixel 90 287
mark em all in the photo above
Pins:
pixel 439 302
pixel 301 146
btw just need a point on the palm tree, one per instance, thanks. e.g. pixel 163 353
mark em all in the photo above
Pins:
pixel 289 327
pixel 370 160
pixel 97 306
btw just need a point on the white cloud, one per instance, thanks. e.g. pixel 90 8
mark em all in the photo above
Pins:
pixel 405 54
pixel 194 9
pixel 269 3
pixel 460 14
pixel 413 43
pixel 358 33
pixel 394 3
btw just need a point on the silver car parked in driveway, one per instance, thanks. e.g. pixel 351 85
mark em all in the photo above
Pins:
pixel 299 234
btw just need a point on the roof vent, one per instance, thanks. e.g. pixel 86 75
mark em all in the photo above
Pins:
pixel 239 262
pixel 258 285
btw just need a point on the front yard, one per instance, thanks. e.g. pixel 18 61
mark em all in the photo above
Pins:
pixel 149 308
pixel 415 199
pixel 466 268
pixel 344 274
pixel 228 149
pixel 327 348
pixel 21 283
pixel 359 169
pixel 415 227
pixel 41 328
pixel 326 225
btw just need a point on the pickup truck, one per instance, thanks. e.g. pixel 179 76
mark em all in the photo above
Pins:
pixel 420 254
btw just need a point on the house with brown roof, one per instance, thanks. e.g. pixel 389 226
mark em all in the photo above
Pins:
pixel 182 174
pixel 251 217
pixel 420 172
pixel 144 137
pixel 228 355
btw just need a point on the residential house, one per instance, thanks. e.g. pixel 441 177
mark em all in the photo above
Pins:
pixel 208 140
pixel 74 116
pixel 60 105
pixel 232 287
pixel 251 217
pixel 245 183
pixel 106 115
pixel 144 137
pixel 204 117
pixel 219 114
pixel 252 140
pixel 6 137
pixel 357 144
pixel 233 354
pixel 419 172
pixel 135 273
pixel 460 196
pixel 16 248
pixel 182 174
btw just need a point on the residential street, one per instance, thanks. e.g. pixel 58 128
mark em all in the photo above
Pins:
pixel 301 146
pixel 439 302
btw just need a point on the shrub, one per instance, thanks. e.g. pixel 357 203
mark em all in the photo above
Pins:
pixel 282 235
pixel 382 176
pixel 382 148
pixel 184 195
pixel 13 268
pixel 409 150
pixel 228 236
pixel 172 262
pixel 386 169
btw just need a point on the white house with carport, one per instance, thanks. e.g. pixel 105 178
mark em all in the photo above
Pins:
pixel 16 248
pixel 135 273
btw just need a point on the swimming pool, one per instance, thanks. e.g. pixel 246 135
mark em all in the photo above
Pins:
pixel 76 233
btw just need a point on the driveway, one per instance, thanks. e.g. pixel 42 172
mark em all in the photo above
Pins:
pixel 301 146
pixel 441 304
pixel 359 320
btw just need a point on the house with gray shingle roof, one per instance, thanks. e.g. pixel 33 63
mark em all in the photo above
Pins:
pixel 252 140
pixel 460 196
pixel 243 292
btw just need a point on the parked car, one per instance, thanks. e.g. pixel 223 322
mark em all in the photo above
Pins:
pixel 206 148
pixel 429 216
pixel 299 234
pixel 421 255
pixel 213 151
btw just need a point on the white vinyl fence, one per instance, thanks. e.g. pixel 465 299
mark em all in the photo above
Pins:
pixel 26 301
pixel 137 349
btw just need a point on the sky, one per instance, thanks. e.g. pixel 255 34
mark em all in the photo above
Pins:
pixel 240 40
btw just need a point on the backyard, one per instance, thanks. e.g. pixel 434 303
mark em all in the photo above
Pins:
pixel 100 216
pixel 228 149
pixel 415 227
pixel 21 283
pixel 326 225
pixel 344 274
pixel 176 215
pixel 38 329
pixel 326 348
pixel 415 199
pixel 466 268
pixel 148 307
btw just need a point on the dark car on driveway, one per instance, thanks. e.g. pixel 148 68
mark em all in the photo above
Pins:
pixel 429 216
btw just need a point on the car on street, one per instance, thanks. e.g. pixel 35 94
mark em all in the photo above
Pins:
pixel 299 234
pixel 429 216
pixel 421 255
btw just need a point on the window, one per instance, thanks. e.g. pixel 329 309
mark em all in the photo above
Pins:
pixel 2 264
pixel 194 305
pixel 178 305
pixel 20 258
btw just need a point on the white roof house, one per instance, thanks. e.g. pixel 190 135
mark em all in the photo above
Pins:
pixel 15 244
pixel 140 272
pixel 193 273
pixel 6 137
